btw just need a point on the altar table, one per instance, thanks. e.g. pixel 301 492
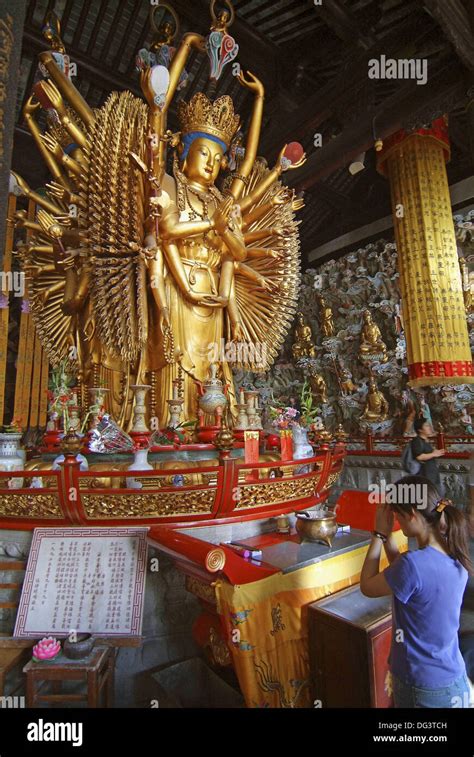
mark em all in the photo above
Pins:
pixel 266 621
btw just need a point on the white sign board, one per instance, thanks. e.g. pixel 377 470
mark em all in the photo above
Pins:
pixel 88 580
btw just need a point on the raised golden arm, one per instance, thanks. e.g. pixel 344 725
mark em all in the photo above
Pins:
pixel 157 116
pixel 253 138
pixel 54 96
pixel 39 199
pixel 67 89
pixel 269 179
pixel 56 173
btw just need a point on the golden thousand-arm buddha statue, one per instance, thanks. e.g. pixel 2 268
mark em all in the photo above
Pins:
pixel 151 270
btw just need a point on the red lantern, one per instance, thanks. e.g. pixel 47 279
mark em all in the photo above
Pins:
pixel 294 152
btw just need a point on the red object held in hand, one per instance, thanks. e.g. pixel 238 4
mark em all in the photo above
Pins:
pixel 294 151
pixel 41 96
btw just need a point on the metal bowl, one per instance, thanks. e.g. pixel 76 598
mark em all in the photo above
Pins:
pixel 78 650
pixel 316 526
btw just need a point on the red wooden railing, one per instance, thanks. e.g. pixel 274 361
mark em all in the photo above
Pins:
pixel 371 444
pixel 229 490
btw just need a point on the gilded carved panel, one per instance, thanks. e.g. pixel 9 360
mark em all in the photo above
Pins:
pixel 165 504
pixel 255 495
pixel 30 506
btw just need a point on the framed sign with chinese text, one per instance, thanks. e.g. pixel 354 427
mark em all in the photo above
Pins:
pixel 87 580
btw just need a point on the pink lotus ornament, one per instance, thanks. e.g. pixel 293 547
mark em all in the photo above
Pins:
pixel 46 649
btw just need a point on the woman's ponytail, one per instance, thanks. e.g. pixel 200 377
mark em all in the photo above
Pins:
pixel 453 526
pixel 450 524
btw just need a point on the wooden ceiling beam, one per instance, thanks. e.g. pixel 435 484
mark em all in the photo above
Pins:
pixel 320 106
pixel 453 19
pixel 443 91
pixel 344 24
pixel 97 26
pixel 112 31
pixel 101 77
pixel 126 35
pixel 76 40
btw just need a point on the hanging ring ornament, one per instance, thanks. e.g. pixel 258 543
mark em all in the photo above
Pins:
pixel 52 25
pixel 214 16
pixel 53 22
pixel 171 11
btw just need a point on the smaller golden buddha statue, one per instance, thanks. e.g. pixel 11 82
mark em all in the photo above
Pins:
pixel 222 19
pixel 318 386
pixel 163 36
pixel 326 318
pixel 376 406
pixel 372 347
pixel 303 345
pixel 52 33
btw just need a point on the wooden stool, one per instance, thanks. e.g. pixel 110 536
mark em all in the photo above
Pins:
pixel 13 652
pixel 97 671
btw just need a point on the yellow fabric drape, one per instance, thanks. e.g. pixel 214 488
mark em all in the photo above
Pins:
pixel 266 623
pixel 434 317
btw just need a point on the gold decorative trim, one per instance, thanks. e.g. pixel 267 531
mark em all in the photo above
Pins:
pixel 219 649
pixel 98 481
pixel 165 504
pixel 200 589
pixel 251 435
pixel 331 478
pixel 255 495
pixel 30 506
pixel 215 560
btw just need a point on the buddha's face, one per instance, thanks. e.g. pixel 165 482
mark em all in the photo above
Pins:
pixel 203 161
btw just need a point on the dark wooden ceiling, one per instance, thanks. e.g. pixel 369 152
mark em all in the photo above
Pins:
pixel 313 61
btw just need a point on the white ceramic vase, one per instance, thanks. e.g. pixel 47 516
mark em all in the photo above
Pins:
pixel 140 463
pixel 11 458
pixel 301 447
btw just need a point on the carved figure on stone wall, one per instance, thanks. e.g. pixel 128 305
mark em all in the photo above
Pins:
pixel 326 318
pixel 466 285
pixel 410 411
pixel 303 345
pixel 371 346
pixel 376 406
pixel 318 385
pixel 466 420
pixel 345 381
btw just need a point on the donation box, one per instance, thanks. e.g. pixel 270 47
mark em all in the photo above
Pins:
pixel 349 645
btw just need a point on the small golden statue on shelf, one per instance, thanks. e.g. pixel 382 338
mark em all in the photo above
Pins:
pixel 303 345
pixel 376 406
pixel 318 386
pixel 372 347
pixel 326 318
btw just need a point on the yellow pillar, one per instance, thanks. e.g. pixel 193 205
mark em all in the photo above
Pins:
pixel 434 317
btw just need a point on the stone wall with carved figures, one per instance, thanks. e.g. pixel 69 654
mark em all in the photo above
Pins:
pixel 350 328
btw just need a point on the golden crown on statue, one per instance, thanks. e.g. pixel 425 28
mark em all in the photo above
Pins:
pixel 216 118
